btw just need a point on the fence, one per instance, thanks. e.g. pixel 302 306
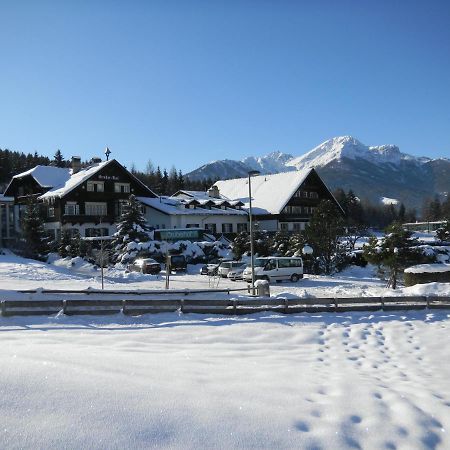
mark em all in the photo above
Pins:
pixel 137 303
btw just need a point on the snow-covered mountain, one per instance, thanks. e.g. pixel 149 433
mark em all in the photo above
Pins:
pixel 224 169
pixel 350 148
pixel 372 172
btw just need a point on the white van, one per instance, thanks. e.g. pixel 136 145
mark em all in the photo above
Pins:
pixel 276 268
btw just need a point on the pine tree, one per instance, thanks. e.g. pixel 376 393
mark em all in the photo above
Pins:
pixel 36 240
pixel 64 244
pixel 132 227
pixel 325 228
pixel 58 159
pixel 280 245
pixel 241 244
pixel 394 252
pixel 443 233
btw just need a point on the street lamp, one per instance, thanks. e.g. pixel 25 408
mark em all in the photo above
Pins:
pixel 307 250
pixel 251 174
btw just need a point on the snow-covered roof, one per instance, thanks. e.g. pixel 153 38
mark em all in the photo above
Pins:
pixel 47 176
pixel 6 199
pixel 174 206
pixel 204 198
pixel 270 193
pixel 75 180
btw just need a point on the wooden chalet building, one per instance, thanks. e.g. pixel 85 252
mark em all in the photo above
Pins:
pixel 86 200
pixel 283 201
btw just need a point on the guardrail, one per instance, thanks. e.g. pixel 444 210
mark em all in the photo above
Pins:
pixel 246 305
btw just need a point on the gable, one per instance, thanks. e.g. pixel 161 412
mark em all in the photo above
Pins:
pixel 108 172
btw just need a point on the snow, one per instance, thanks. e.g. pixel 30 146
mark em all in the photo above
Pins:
pixel 270 193
pixel 346 380
pixel 175 206
pixel 75 180
pixel 264 381
pixel 389 201
pixel 47 176
pixel 428 268
pixel 349 147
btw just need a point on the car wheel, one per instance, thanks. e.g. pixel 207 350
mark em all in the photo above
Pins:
pixel 294 278
pixel 266 278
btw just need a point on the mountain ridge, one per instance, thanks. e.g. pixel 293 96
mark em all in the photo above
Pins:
pixel 372 172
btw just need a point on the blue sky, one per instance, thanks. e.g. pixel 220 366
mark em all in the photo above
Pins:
pixel 185 82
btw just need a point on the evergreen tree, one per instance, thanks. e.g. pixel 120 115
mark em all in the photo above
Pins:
pixel 325 228
pixel 280 244
pixel 165 183
pixel 64 244
pixel 443 233
pixel 394 252
pixel 241 244
pixel 58 159
pixel 36 240
pixel 132 227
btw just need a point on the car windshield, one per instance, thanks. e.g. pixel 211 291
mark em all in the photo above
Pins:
pixel 260 262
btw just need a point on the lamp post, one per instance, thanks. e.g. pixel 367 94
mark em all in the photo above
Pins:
pixel 307 250
pixel 251 174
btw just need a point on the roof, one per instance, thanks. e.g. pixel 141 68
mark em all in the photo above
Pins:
pixel 270 193
pixel 75 180
pixel 6 199
pixel 47 176
pixel 173 206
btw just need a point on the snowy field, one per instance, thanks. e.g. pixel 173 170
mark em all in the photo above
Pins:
pixel 371 381
pixel 265 381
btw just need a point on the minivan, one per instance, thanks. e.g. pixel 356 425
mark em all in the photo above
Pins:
pixel 276 268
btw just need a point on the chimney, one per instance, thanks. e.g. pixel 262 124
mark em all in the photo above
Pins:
pixel 213 192
pixel 96 160
pixel 76 164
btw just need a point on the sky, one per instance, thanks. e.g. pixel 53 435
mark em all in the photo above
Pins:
pixel 182 83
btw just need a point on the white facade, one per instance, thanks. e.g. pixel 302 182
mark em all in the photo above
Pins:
pixel 171 213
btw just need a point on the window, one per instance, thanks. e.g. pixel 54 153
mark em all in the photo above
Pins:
pixel 192 225
pixel 211 227
pixel 284 226
pixel 51 211
pixel 95 186
pixel 297 226
pixel 96 232
pixel 242 227
pixel 95 209
pixel 313 195
pixel 73 232
pixel 71 209
pixel 124 188
pixel 227 228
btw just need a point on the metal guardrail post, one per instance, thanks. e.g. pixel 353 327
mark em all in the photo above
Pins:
pixel 64 310
pixel 3 308
pixel 124 304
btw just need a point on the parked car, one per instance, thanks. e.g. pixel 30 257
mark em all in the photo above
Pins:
pixel 145 265
pixel 209 269
pixel 276 268
pixel 226 266
pixel 237 273
pixel 177 263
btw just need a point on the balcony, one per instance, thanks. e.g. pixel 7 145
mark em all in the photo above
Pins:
pixel 85 218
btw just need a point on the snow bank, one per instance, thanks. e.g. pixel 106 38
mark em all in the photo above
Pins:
pixel 428 268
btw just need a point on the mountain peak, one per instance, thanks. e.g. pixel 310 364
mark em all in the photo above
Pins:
pixel 351 148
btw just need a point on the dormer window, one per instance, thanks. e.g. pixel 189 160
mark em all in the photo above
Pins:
pixel 95 186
